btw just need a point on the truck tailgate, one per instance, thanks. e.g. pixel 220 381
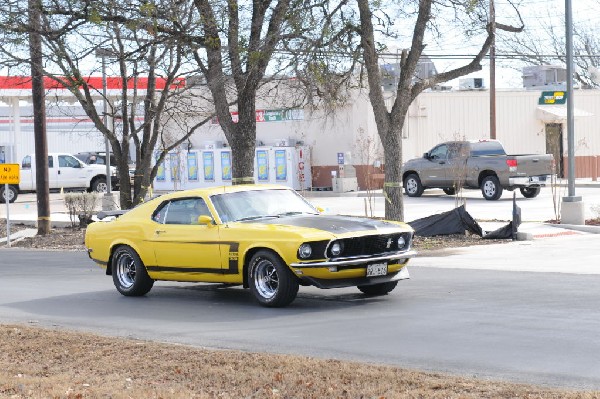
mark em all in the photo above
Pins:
pixel 533 165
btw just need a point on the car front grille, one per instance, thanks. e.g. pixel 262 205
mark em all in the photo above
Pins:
pixel 371 245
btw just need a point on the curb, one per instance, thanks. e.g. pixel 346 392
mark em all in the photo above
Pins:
pixel 577 227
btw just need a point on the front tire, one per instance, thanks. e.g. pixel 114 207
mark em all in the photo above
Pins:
pixel 11 194
pixel 413 186
pixel 99 185
pixel 271 281
pixel 491 188
pixel 129 273
pixel 530 192
pixel 378 289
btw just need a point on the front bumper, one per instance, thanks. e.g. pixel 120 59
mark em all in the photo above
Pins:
pixel 400 257
pixel 350 272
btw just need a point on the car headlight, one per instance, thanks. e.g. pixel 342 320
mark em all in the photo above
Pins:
pixel 401 242
pixel 305 251
pixel 336 248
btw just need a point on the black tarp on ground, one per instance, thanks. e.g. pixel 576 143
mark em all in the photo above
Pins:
pixel 456 221
pixel 459 221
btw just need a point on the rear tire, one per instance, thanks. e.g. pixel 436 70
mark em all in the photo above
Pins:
pixel 491 188
pixel 413 186
pixel 11 194
pixel 271 281
pixel 129 273
pixel 378 289
pixel 530 192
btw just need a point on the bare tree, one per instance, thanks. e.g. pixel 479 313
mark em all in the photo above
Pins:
pixel 242 41
pixel 142 39
pixel 543 43
pixel 390 121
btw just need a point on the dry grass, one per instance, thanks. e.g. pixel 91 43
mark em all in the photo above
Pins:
pixel 43 363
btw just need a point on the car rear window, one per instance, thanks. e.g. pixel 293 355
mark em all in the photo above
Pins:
pixel 487 148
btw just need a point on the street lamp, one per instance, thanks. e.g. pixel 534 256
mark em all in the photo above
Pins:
pixel 107 200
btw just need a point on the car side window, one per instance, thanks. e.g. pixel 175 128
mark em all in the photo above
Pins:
pixel 439 152
pixel 66 161
pixel 456 151
pixel 26 164
pixel 181 211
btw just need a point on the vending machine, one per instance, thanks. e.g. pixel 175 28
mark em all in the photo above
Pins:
pixel 208 167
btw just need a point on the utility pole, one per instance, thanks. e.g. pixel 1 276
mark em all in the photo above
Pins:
pixel 38 96
pixel 493 73
pixel 572 208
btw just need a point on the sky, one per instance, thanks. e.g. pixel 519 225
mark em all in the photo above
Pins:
pixel 536 14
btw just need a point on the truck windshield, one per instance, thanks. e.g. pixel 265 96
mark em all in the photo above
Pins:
pixel 487 148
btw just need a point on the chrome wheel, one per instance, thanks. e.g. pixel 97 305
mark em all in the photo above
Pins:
pixel 101 186
pixel 266 279
pixel 413 186
pixel 489 189
pixel 129 273
pixel 270 280
pixel 125 269
pixel 10 195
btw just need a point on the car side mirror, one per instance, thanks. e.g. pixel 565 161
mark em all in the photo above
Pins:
pixel 205 220
pixel 426 155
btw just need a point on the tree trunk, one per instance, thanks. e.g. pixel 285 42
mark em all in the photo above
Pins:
pixel 243 142
pixel 392 186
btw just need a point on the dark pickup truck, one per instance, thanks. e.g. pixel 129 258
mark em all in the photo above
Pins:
pixel 479 164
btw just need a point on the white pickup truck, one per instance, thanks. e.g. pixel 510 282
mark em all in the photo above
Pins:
pixel 64 172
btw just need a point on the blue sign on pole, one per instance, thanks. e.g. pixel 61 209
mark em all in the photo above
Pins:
pixel 340 158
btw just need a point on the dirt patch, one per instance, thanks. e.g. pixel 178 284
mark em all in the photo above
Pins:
pixel 51 363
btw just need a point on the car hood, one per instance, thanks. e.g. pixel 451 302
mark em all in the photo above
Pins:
pixel 337 225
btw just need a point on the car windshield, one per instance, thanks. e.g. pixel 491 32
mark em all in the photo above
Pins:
pixel 258 204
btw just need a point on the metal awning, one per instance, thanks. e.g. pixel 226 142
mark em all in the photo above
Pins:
pixel 558 113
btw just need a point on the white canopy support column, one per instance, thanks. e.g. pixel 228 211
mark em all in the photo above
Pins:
pixel 16 129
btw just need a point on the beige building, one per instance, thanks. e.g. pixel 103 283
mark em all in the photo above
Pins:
pixel 523 126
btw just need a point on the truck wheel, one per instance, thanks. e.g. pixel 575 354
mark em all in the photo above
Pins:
pixel 99 185
pixel 413 186
pixel 491 188
pixel 450 190
pixel 530 192
pixel 11 194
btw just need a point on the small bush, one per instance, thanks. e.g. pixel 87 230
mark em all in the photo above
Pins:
pixel 81 207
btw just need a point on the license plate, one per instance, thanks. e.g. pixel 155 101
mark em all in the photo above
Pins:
pixel 377 269
pixel 535 179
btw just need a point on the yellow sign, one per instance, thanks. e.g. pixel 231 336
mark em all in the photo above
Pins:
pixel 9 173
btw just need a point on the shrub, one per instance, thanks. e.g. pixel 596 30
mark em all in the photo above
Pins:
pixel 81 206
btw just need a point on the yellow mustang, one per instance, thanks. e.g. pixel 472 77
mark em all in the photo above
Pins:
pixel 265 237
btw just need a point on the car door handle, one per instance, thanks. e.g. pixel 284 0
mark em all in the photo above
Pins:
pixel 442 162
pixel 160 231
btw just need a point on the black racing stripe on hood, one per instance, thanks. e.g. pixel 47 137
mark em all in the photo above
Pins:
pixel 332 224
